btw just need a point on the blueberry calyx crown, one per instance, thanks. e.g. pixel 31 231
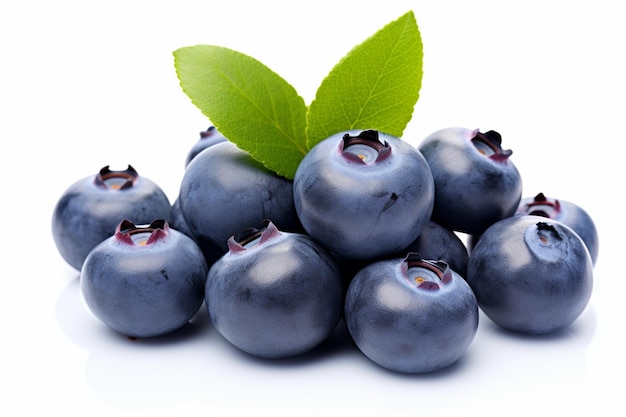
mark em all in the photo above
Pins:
pixel 252 236
pixel 129 233
pixel 547 233
pixel 366 147
pixel 543 206
pixel 490 144
pixel 212 130
pixel 116 180
pixel 544 240
pixel 426 274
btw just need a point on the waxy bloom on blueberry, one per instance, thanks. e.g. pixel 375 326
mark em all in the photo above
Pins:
pixel 274 294
pixel 531 274
pixel 91 208
pixel 411 315
pixel 145 280
pixel 439 242
pixel 224 190
pixel 208 138
pixel 566 212
pixel 476 182
pixel 363 194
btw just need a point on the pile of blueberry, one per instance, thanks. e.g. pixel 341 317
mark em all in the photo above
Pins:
pixel 368 231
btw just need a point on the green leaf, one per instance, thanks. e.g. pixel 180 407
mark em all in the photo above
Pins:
pixel 375 86
pixel 247 102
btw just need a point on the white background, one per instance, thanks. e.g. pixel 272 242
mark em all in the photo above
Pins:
pixel 88 84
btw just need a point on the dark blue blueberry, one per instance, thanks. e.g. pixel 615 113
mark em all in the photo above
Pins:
pixel 566 212
pixel 476 183
pixel 224 190
pixel 363 194
pixel 274 294
pixel 144 281
pixel 90 209
pixel 411 315
pixel 531 274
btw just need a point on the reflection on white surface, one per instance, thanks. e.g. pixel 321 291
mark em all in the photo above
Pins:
pixel 197 366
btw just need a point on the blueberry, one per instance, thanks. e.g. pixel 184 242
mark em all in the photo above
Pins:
pixel 145 280
pixel 439 242
pixel 274 294
pixel 411 315
pixel 363 194
pixel 90 209
pixel 208 138
pixel 566 212
pixel 224 190
pixel 531 274
pixel 476 182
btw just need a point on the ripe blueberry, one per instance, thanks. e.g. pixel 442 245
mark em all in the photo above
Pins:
pixel 411 315
pixel 274 294
pixel 476 183
pixel 531 274
pixel 145 280
pixel 363 194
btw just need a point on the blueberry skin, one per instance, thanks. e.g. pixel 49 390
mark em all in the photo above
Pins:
pixel 363 206
pixel 476 183
pixel 277 297
pixel 177 220
pixel 439 242
pixel 406 326
pixel 90 209
pixel 224 190
pixel 434 242
pixel 144 281
pixel 531 274
pixel 208 138
pixel 566 212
